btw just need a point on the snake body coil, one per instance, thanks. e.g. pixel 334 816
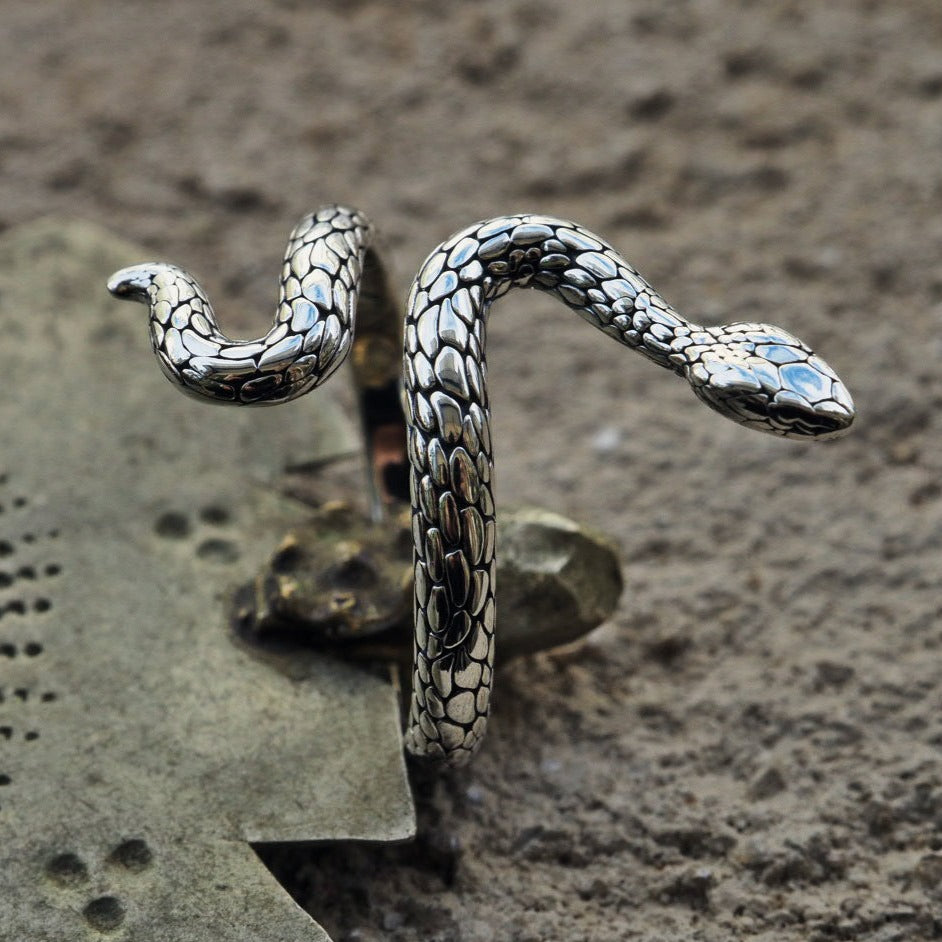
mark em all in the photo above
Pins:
pixel 311 334
pixel 758 375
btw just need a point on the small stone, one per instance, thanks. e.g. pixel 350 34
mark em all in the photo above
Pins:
pixel 474 794
pixel 928 871
pixel 690 888
pixel 767 784
pixel 595 888
pixel 903 452
pixel 607 439
pixel 832 674
pixel 651 104
pixel 558 581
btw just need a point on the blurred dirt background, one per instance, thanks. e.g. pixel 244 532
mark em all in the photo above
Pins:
pixel 753 748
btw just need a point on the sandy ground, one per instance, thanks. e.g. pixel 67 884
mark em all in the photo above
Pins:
pixel 753 748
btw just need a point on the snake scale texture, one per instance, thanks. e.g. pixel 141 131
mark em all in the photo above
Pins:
pixel 310 337
pixel 755 374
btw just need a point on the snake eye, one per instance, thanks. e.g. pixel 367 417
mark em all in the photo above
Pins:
pixel 730 377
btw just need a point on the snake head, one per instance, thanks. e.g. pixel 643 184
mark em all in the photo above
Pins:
pixel 762 377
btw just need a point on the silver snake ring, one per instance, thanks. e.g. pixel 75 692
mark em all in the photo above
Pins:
pixel 755 374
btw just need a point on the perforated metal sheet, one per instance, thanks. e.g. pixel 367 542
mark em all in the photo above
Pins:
pixel 140 748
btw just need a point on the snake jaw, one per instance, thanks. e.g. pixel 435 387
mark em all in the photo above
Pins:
pixel 763 377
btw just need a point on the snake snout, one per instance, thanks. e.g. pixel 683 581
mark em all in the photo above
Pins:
pixel 811 400
pixel 822 420
pixel 764 378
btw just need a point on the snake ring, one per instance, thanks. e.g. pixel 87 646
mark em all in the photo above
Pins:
pixel 758 375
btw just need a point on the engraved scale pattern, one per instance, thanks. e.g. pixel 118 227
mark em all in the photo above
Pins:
pixel 312 330
pixel 756 374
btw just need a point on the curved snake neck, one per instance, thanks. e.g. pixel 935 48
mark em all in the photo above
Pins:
pixel 758 375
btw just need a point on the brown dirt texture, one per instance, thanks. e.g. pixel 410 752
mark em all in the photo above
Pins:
pixel 752 749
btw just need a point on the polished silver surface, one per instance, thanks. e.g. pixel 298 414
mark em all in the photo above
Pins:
pixel 313 326
pixel 331 278
pixel 757 375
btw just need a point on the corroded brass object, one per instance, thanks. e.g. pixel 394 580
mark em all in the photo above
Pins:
pixel 340 578
pixel 336 577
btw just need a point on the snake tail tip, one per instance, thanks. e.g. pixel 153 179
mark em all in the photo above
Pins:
pixel 131 283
